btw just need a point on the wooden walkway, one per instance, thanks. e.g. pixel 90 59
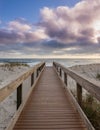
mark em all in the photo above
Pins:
pixel 49 107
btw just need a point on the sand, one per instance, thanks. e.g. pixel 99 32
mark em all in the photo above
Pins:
pixel 8 106
pixel 7 75
pixel 88 71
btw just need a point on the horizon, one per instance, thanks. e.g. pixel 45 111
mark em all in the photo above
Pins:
pixel 52 58
pixel 50 29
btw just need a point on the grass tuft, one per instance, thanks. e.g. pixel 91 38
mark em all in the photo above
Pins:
pixel 11 65
pixel 92 109
pixel 98 76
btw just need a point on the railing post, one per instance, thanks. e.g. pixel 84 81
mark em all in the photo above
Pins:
pixel 19 96
pixel 79 94
pixel 65 78
pixel 32 79
pixel 60 72
pixel 37 72
pixel 56 68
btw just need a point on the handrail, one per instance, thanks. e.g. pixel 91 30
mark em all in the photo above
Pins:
pixel 31 77
pixel 8 89
pixel 91 87
pixel 81 82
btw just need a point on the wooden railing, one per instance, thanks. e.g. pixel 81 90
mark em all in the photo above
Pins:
pixel 81 82
pixel 18 85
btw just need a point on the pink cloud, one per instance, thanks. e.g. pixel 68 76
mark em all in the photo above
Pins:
pixel 66 24
pixel 18 26
pixel 21 32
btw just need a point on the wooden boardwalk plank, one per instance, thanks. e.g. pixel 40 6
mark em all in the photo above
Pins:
pixel 49 107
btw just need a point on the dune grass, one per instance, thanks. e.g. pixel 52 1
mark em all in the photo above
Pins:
pixel 91 107
pixel 98 76
pixel 9 66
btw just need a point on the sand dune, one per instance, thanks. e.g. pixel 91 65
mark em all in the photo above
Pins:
pixel 90 70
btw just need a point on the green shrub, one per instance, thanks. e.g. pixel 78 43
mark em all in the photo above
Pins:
pixel 98 76
pixel 92 110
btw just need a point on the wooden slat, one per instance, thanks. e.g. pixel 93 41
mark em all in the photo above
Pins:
pixel 49 107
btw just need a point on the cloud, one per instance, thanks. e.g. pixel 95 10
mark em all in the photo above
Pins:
pixel 18 31
pixel 8 36
pixel 61 30
pixel 18 26
pixel 76 24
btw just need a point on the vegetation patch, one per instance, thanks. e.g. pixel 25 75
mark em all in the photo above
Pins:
pixel 11 65
pixel 91 108
pixel 98 76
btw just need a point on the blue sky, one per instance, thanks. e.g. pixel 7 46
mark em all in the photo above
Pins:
pixel 28 9
pixel 49 28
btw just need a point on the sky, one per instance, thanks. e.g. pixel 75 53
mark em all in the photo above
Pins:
pixel 50 29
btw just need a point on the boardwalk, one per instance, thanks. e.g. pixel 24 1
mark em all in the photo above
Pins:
pixel 49 107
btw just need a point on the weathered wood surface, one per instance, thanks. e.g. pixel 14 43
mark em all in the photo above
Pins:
pixel 49 107
pixel 18 112
pixel 8 89
pixel 92 88
pixel 76 103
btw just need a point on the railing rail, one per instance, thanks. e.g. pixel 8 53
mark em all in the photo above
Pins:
pixel 17 83
pixel 81 82
pixel 21 88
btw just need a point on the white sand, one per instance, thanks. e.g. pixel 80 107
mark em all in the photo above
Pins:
pixel 7 75
pixel 88 71
pixel 8 106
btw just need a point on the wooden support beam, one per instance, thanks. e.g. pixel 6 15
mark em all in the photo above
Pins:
pixel 19 96
pixel 60 72
pixel 32 79
pixel 65 78
pixel 79 94
pixel 37 72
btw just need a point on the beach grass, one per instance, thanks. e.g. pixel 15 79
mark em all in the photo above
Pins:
pixel 91 108
pixel 98 76
pixel 10 65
